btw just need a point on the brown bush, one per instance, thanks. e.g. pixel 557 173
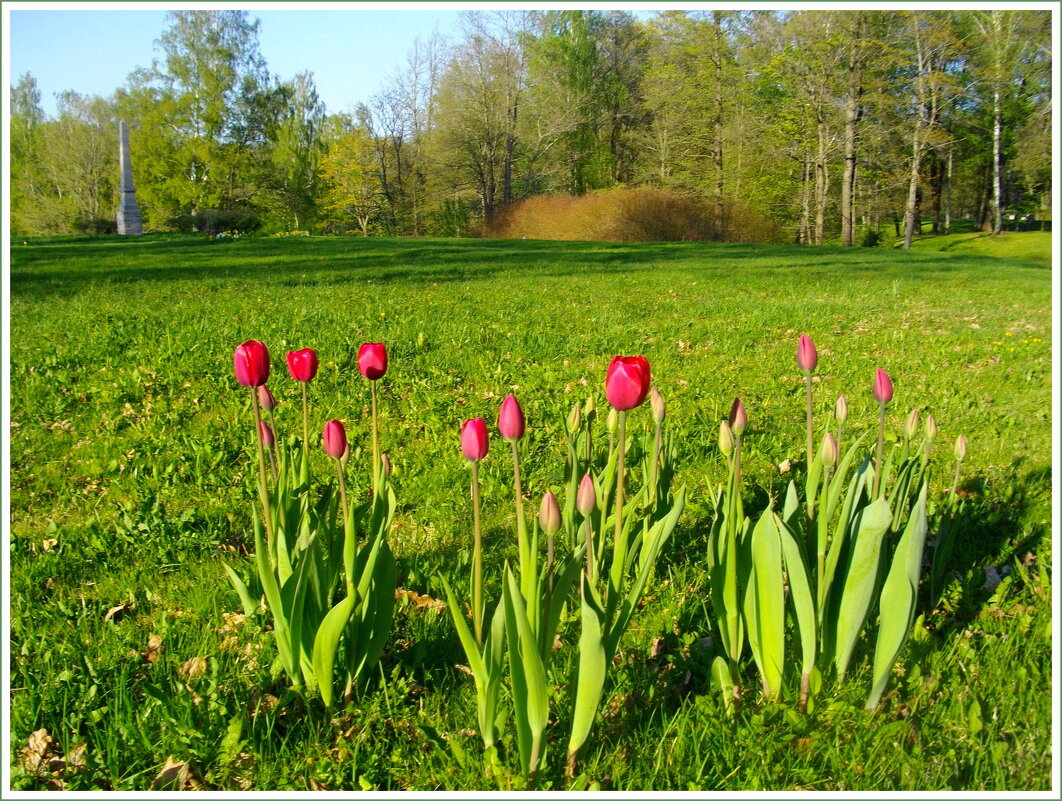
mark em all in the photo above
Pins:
pixel 644 214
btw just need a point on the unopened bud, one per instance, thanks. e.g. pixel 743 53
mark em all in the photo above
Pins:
pixel 726 439
pixel 612 423
pixel 345 457
pixel 840 409
pixel 574 418
pixel 931 428
pixel 910 425
pixel 586 500
pixel 385 460
pixel 265 432
pixel 960 448
pixel 549 514
pixel 266 399
pixel 828 451
pixel 738 418
pixel 656 403
pixel 590 409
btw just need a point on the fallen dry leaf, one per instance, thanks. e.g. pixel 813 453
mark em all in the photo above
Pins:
pixel 419 600
pixel 116 613
pixel 154 649
pixel 192 668
pixel 230 622
pixel 37 750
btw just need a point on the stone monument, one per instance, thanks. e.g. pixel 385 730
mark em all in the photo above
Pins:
pixel 129 222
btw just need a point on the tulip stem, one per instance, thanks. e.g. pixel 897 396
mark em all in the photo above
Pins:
pixel 881 451
pixel 272 453
pixel 343 491
pixel 477 560
pixel 811 437
pixel 263 485
pixel 589 549
pixel 305 423
pixel 619 546
pixel 377 466
pixel 521 522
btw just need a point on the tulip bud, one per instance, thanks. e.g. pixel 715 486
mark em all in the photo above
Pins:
pixel 574 418
pixel 511 419
pixel 828 451
pixel 474 443
pixel 931 428
pixel 612 421
pixel 386 462
pixel 656 403
pixel 266 433
pixel 840 409
pixel 549 514
pixel 627 382
pixel 266 399
pixel 726 439
pixel 807 357
pixel 334 439
pixel 910 425
pixel 251 361
pixel 302 364
pixel 590 409
pixel 345 458
pixel 960 448
pixel 882 386
pixel 738 418
pixel 372 360
pixel 586 500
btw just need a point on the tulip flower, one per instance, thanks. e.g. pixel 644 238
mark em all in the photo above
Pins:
pixel 931 427
pixel 726 439
pixel 372 360
pixel 910 425
pixel 474 443
pixel 960 448
pixel 251 361
pixel 807 357
pixel 738 418
pixel 511 424
pixel 828 451
pixel 302 364
pixel 575 417
pixel 266 433
pixel 627 382
pixel 656 403
pixel 334 440
pixel 882 394
pixel 385 463
pixel 549 514
pixel 586 502
pixel 266 399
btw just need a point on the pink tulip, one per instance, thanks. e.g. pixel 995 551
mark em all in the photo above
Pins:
pixel 882 387
pixel 474 442
pixel 266 433
pixel 372 360
pixel 302 364
pixel 334 439
pixel 251 361
pixel 385 461
pixel 586 500
pixel 807 357
pixel 266 399
pixel 549 514
pixel 738 418
pixel 627 382
pixel 511 422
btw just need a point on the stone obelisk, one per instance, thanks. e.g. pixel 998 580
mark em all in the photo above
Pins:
pixel 129 222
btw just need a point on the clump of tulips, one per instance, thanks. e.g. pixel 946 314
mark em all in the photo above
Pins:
pixel 849 546
pixel 612 538
pixel 307 550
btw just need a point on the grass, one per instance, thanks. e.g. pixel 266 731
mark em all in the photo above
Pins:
pixel 132 482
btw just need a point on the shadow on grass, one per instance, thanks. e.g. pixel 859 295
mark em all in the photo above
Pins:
pixel 64 266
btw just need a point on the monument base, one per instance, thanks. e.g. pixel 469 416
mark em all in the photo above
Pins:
pixel 129 221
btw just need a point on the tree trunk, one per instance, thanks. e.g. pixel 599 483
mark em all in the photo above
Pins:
pixel 947 192
pixel 852 114
pixel 912 189
pixel 821 183
pixel 997 178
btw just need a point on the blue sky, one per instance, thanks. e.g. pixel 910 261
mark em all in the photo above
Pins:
pixel 351 51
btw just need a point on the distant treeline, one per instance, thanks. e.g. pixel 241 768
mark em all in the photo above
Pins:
pixel 805 126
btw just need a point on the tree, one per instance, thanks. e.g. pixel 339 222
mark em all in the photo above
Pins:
pixel 27 190
pixel 297 149
pixel 349 174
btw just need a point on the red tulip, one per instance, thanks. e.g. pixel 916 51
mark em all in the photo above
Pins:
pixel 251 361
pixel 334 439
pixel 474 442
pixel 266 399
pixel 882 387
pixel 738 418
pixel 627 382
pixel 511 422
pixel 807 357
pixel 372 360
pixel 266 433
pixel 302 364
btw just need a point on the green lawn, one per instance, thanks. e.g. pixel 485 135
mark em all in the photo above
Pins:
pixel 132 483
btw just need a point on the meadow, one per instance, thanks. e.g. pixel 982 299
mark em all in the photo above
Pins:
pixel 132 482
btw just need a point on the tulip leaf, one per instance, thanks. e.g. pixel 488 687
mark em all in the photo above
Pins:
pixel 592 667
pixel 528 676
pixel 801 594
pixel 868 527
pixel 899 596
pixel 325 645
pixel 273 599
pixel 249 604
pixel 765 602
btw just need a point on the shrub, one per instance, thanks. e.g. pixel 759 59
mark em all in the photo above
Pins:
pixel 216 221
pixel 96 225
pixel 642 214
